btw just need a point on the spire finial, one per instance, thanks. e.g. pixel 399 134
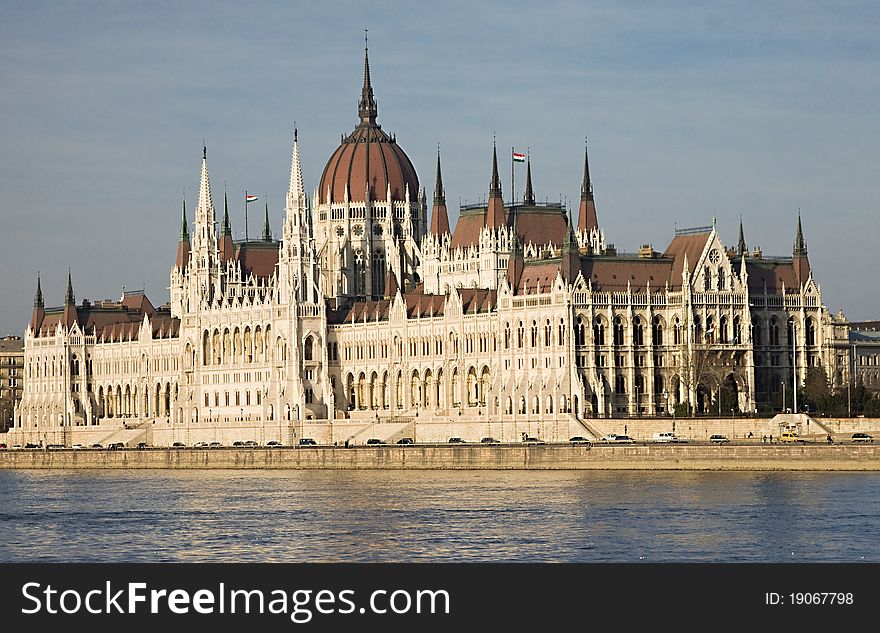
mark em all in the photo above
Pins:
pixel 439 194
pixel 294 132
pixel 204 150
pixel 741 247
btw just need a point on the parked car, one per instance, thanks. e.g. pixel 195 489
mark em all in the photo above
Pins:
pixel 455 440
pixel 489 440
pixel 862 437
pixel 621 439
pixel 96 445
pixel 142 446
pixel 16 447
pixel 791 437
pixel 608 438
pixel 31 445
pixel 115 446
pixel 178 445
pixel 405 440
pixel 663 437
pixel 76 447
pixel 307 441
pixel 532 440
pixel 374 440
pixel 238 443
pixel 200 445
pixel 250 443
pixel 718 439
pixel 2 446
pixel 274 444
pixel 578 439
pixel 215 445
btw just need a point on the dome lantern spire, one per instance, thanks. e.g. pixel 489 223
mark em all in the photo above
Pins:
pixel 367 110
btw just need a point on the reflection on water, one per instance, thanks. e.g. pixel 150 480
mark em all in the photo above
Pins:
pixel 332 516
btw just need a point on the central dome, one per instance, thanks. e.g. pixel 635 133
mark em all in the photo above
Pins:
pixel 368 155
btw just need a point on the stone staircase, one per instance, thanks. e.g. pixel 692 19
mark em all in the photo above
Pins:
pixel 593 433
pixel 388 432
pixel 799 421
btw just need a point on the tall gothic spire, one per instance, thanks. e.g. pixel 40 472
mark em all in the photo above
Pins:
pixel 495 213
pixel 800 262
pixel 529 195
pixel 184 231
pixel 38 298
pixel 39 309
pixel 495 182
pixel 587 219
pixel 439 217
pixel 741 247
pixel 800 246
pixel 367 106
pixel 69 298
pixel 296 192
pixel 571 260
pixel 267 230
pixel 227 249
pixel 227 228
pixel 206 202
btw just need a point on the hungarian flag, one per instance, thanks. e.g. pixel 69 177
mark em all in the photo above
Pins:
pixel 519 158
pixel 250 198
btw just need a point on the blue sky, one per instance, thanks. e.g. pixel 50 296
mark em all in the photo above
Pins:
pixel 692 110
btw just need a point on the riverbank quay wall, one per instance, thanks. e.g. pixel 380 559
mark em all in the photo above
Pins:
pixel 435 430
pixel 807 457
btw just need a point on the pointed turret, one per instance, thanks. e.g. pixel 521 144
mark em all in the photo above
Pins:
pixel 367 109
pixel 296 192
pixel 800 246
pixel 800 262
pixel 439 217
pixel 204 238
pixel 587 219
pixel 69 315
pixel 741 248
pixel 227 251
pixel 267 230
pixel 529 195
pixel 69 298
pixel 39 309
pixel 183 242
pixel 496 215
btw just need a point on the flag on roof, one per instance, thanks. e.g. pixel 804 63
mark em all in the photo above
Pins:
pixel 251 198
pixel 519 158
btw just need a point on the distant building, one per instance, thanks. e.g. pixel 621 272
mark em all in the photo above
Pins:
pixel 367 313
pixel 11 377
pixel 864 338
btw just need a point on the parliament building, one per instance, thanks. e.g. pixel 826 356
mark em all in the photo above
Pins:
pixel 374 317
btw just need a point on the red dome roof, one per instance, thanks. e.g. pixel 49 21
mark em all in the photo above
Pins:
pixel 368 150
pixel 388 165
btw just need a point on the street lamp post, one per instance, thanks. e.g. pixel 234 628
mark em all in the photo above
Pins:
pixel 783 396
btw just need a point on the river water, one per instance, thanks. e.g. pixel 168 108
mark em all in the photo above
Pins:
pixel 438 516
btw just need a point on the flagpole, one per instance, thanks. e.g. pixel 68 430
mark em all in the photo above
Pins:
pixel 245 216
pixel 512 197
